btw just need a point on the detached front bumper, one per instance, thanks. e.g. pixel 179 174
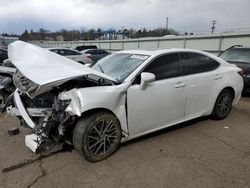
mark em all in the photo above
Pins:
pixel 27 114
pixel 32 141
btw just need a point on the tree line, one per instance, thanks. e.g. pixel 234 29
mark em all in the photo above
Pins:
pixel 92 34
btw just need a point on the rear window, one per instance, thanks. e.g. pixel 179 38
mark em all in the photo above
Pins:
pixel 236 54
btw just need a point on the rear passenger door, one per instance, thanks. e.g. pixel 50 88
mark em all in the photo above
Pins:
pixel 199 72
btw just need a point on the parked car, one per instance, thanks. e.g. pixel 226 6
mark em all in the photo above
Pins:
pixel 96 54
pixel 73 55
pixel 240 56
pixel 123 96
pixel 7 86
pixel 84 47
pixel 3 55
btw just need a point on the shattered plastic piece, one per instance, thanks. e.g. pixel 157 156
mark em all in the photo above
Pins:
pixel 13 131
pixel 32 141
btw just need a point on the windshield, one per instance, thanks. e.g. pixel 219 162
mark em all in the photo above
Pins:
pixel 120 65
pixel 239 55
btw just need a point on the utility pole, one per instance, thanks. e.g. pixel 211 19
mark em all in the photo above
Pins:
pixel 213 26
pixel 166 24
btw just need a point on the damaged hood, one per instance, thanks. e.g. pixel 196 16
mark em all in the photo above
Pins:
pixel 43 67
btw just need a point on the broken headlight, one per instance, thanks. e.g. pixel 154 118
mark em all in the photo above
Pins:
pixel 23 83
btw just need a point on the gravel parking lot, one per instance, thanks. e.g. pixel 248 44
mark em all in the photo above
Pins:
pixel 200 153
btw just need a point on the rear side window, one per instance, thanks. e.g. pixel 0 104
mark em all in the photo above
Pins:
pixel 165 66
pixel 92 52
pixel 102 52
pixel 70 52
pixel 197 63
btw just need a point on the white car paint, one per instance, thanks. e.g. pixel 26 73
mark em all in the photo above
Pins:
pixel 140 110
pixel 44 67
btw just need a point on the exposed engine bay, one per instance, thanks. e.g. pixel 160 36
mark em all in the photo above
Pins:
pixel 52 124
pixel 54 97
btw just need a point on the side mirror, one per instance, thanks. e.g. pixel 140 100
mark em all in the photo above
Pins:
pixel 146 78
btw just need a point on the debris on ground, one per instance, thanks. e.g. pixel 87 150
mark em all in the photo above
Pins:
pixel 13 131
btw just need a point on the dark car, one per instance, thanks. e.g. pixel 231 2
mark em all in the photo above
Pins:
pixel 240 56
pixel 7 86
pixel 96 54
pixel 3 55
pixel 81 48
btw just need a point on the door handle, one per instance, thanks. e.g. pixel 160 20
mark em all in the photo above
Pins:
pixel 179 85
pixel 217 77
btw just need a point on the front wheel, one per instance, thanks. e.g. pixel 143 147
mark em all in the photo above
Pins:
pixel 223 104
pixel 97 136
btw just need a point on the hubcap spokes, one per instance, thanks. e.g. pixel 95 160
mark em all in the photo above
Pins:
pixel 102 137
pixel 224 104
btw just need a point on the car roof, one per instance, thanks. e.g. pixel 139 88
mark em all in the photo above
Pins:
pixel 155 52
pixel 241 47
pixel 60 49
pixel 92 49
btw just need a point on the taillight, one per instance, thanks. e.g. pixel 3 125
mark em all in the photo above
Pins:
pixel 241 72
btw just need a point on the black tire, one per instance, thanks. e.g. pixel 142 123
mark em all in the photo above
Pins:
pixel 223 104
pixel 3 97
pixel 97 136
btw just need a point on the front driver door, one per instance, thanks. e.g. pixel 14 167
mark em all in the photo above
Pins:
pixel 162 102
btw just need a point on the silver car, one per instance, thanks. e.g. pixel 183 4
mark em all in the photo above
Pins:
pixel 73 55
pixel 96 54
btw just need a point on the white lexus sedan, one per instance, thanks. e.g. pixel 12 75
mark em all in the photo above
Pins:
pixel 123 96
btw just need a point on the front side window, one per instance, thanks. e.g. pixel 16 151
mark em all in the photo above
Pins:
pixel 236 54
pixel 166 66
pixel 62 52
pixel 197 63
pixel 120 65
pixel 55 51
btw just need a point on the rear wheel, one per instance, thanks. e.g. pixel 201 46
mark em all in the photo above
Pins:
pixel 223 104
pixel 97 136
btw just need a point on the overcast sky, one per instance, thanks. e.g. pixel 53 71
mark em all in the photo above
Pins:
pixel 184 15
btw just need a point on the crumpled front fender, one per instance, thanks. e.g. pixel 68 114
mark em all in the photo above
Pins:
pixel 75 105
pixel 112 98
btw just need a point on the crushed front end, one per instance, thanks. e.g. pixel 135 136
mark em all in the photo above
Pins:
pixel 46 116
pixel 42 79
pixel 50 114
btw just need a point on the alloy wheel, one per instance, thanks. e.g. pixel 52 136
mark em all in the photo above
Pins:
pixel 102 137
pixel 224 104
